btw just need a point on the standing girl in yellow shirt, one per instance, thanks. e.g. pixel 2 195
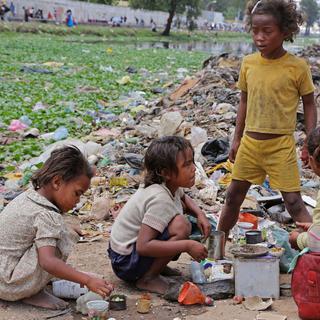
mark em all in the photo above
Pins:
pixel 271 83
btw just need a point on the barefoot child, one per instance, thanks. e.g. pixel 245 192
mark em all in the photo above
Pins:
pixel 271 83
pixel 34 243
pixel 297 239
pixel 151 229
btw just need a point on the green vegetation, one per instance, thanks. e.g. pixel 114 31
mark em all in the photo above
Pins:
pixel 76 88
pixel 118 34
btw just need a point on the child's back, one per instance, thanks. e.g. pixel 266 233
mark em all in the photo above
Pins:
pixel 28 222
pixel 154 205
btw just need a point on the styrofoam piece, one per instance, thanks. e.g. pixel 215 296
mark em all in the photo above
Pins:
pixel 309 201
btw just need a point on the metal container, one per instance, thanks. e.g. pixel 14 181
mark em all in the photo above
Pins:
pixel 253 236
pixel 118 302
pixel 215 245
pixel 257 277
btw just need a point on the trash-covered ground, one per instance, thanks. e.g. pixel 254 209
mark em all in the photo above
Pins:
pixel 114 130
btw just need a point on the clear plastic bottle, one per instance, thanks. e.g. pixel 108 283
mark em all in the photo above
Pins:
pixel 197 272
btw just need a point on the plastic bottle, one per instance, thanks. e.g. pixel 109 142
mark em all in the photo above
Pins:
pixel 197 272
pixel 68 289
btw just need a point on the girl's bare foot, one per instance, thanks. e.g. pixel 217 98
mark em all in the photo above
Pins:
pixel 46 300
pixel 157 284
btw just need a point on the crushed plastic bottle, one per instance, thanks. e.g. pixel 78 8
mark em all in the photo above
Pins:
pixel 61 133
pixel 197 272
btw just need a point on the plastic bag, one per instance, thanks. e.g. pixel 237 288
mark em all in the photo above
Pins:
pixel 282 239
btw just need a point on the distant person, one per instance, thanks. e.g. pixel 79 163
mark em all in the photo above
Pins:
pixel 271 81
pixel 39 14
pixel 137 20
pixel 124 19
pixel 12 9
pixel 141 22
pixel 153 26
pixel 35 241
pixel 70 21
pixel 31 12
pixel 26 14
pixel 4 9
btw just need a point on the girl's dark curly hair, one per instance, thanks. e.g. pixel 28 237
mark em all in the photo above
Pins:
pixel 284 11
pixel 313 144
pixel 162 154
pixel 67 162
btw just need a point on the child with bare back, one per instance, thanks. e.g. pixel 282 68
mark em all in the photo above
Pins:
pixel 151 229
pixel 34 241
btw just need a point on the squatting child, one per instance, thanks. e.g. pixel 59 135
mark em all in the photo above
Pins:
pixel 34 241
pixel 298 240
pixel 271 83
pixel 151 229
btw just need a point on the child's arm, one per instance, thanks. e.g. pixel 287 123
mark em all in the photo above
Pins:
pixel 310 120
pixel 240 124
pixel 149 246
pixel 57 267
pixel 202 221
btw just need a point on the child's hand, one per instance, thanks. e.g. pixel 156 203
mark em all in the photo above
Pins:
pixel 197 251
pixel 99 286
pixel 304 225
pixel 233 150
pixel 204 225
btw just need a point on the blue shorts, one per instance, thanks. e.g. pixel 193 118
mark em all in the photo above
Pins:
pixel 132 267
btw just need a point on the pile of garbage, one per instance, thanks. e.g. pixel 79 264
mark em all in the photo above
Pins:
pixel 203 109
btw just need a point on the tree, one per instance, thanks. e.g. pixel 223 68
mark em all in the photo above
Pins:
pixel 229 8
pixel 311 10
pixel 171 6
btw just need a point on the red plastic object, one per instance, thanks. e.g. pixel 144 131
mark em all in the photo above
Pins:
pixel 248 217
pixel 191 294
pixel 305 286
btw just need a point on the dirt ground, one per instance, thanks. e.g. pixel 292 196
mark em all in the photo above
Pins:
pixel 91 257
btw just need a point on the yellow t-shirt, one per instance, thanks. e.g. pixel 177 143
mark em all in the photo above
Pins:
pixel 273 91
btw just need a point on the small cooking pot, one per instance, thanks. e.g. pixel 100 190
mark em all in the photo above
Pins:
pixel 253 236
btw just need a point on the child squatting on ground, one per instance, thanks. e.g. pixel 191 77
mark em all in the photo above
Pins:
pixel 271 83
pixel 34 241
pixel 298 240
pixel 151 229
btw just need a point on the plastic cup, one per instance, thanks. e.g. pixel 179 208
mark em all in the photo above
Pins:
pixel 98 309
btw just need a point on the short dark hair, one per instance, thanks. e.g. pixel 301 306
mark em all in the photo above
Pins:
pixel 313 143
pixel 162 154
pixel 284 11
pixel 67 162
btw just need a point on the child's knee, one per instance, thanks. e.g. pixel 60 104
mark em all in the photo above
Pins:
pixel 293 203
pixel 179 227
pixel 233 198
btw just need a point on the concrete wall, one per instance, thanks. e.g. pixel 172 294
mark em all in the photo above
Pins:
pixel 85 11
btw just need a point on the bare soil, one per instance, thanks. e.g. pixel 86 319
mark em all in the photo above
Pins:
pixel 92 257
